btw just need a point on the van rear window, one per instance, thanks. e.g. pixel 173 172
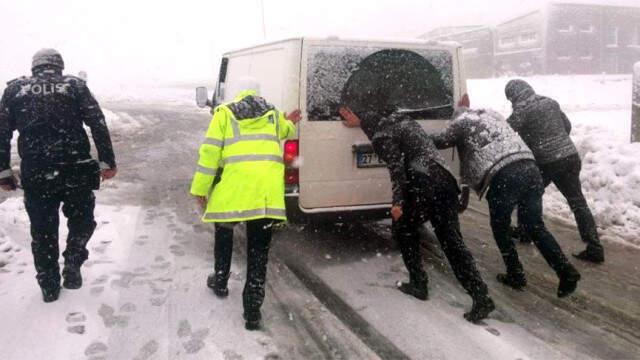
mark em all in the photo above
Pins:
pixel 330 68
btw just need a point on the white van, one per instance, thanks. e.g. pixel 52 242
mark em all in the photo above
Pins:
pixel 332 172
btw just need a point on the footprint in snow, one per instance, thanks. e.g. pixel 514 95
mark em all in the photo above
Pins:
pixel 76 322
pixel 194 340
pixel 176 250
pixel 148 350
pixel 96 349
pixel 231 355
pixel 110 319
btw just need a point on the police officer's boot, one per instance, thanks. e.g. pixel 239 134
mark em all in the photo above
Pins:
pixel 218 283
pixel 50 294
pixel 49 281
pixel 49 285
pixel 569 278
pixel 252 319
pixel 72 277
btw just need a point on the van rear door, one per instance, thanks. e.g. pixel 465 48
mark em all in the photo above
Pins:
pixel 338 167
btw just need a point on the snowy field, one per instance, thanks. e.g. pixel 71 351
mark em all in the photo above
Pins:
pixel 599 108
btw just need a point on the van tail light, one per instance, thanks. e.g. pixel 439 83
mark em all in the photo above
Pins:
pixel 291 152
pixel 464 101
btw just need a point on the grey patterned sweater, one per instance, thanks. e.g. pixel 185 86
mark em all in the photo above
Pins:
pixel 486 144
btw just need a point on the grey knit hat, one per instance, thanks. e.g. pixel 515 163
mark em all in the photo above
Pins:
pixel 47 57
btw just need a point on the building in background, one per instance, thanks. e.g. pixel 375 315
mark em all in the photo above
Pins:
pixel 477 42
pixel 563 37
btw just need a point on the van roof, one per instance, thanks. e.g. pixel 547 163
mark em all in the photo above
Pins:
pixel 444 45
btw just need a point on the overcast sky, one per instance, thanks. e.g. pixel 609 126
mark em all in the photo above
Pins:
pixel 136 41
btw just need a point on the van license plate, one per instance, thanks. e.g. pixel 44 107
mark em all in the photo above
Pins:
pixel 369 160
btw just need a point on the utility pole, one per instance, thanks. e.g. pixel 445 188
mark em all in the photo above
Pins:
pixel 264 26
pixel 635 105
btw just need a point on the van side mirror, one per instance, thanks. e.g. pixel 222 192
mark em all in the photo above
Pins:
pixel 202 97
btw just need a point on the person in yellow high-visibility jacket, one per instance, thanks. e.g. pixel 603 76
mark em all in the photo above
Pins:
pixel 240 178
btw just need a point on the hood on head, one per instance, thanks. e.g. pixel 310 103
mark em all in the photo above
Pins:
pixel 517 90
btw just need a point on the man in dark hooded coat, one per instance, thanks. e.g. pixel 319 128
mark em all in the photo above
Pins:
pixel 545 129
pixel 423 190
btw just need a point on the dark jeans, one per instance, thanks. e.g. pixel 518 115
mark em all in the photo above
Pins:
pixel 435 198
pixel 520 184
pixel 43 207
pixel 565 174
pixel 258 242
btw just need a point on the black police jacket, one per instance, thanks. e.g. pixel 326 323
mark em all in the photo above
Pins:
pixel 49 110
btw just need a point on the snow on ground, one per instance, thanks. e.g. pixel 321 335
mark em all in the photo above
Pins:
pixel 600 109
pixel 148 95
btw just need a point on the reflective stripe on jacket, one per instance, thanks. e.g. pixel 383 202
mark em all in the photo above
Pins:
pixel 246 154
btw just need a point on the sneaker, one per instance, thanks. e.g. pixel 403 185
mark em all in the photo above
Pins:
pixel 420 292
pixel 482 307
pixel 72 277
pixel 592 254
pixel 252 320
pixel 568 282
pixel 516 282
pixel 216 285
pixel 50 294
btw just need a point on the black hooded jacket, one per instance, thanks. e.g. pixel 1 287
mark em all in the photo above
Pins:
pixel 49 110
pixel 540 122
pixel 404 146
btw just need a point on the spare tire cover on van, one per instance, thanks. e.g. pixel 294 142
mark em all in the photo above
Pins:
pixel 397 80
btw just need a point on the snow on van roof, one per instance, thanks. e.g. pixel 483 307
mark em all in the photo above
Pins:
pixel 381 40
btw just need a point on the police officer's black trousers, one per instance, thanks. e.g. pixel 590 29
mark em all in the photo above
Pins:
pixel 520 184
pixel 434 197
pixel 258 241
pixel 43 208
pixel 565 174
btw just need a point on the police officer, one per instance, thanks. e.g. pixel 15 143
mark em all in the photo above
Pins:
pixel 49 110
pixel 240 178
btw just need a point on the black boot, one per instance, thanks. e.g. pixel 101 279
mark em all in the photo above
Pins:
pixel 513 280
pixel 419 290
pixel 72 277
pixel 568 281
pixel 50 294
pixel 592 253
pixel 252 320
pixel 218 284
pixel 482 307
pixel 518 233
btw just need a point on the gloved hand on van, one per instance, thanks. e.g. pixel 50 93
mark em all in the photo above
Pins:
pixel 295 116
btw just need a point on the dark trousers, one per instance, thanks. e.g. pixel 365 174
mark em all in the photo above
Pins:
pixel 520 184
pixel 258 242
pixel 565 174
pixel 43 206
pixel 434 197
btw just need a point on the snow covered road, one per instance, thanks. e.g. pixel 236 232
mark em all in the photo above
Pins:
pixel 330 292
